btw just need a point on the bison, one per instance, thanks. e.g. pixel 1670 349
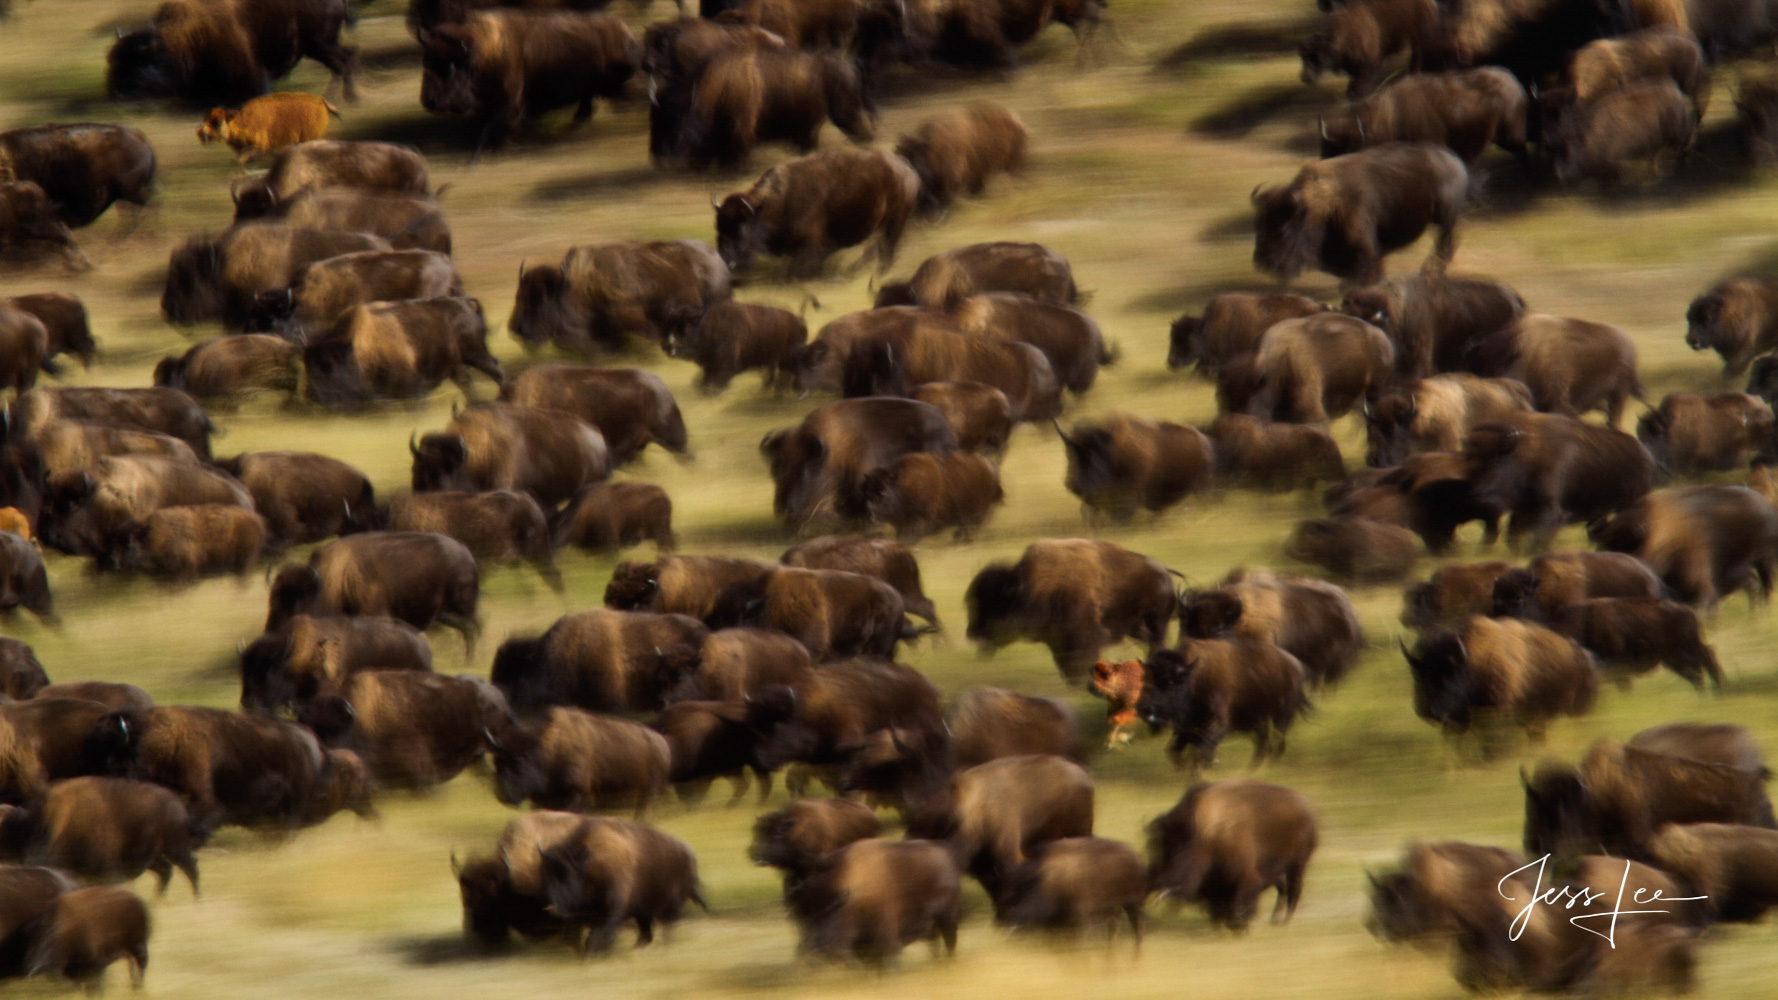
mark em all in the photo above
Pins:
pixel 309 657
pixel 1209 688
pixel 1231 326
pixel 320 293
pixel 994 814
pixel 980 415
pixel 268 123
pixel 736 663
pixel 24 347
pixel 187 541
pixel 630 408
pixel 407 221
pixel 1635 634
pixel 106 828
pixel 799 838
pixel 400 349
pixel 1465 112
pixel 606 516
pixel 85 930
pixel 603 292
pixel 957 152
pixel 1690 434
pixel 680 585
pixel 1311 370
pixel 1737 318
pixel 602 660
pixel 227 368
pixel 945 279
pixel 1639 122
pixel 1076 883
pixel 1124 462
pixel 367 166
pixel 1309 619
pixel 733 337
pixel 891 562
pixel 497 525
pixel 1354 548
pixel 413 729
pixel 83 167
pixel 503 446
pixel 1226 842
pixel 222 277
pixel 921 493
pixel 1546 469
pixel 1731 864
pixel 1068 338
pixel 64 318
pixel 1435 414
pixel 1611 64
pixel 416 577
pixel 810 207
pixel 821 464
pixel 1704 542
pixel 615 871
pixel 29 229
pixel 1571 366
pixel 1490 669
pixel 1360 36
pixel 873 897
pixel 1433 319
pixel 85 507
pixel 1554 580
pixel 206 52
pixel 577 761
pixel 303 497
pixel 753 94
pixel 1250 451
pixel 21 676
pixel 835 614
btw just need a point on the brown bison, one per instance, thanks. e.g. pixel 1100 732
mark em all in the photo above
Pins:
pixel 1639 122
pixel 83 167
pixel 678 585
pixel 26 891
pixel 607 516
pixel 1571 366
pixel 24 347
pixel 973 36
pixel 379 167
pixel 52 739
pixel 616 871
pixel 1730 863
pixel 1690 434
pixel 222 277
pixel 29 229
pixel 980 415
pixel 994 814
pixel 1231 326
pixel 227 368
pixel 508 65
pixel 923 493
pixel 577 761
pixel 407 221
pixel 503 526
pixel 1343 215
pixel 874 897
pixel 988 723
pixel 1465 112
pixel 630 408
pixel 834 613
pixel 736 663
pixel 400 349
pixel 753 94
pixel 268 123
pixel 1636 634
pixel 1554 580
pixel 603 292
pixel 303 497
pixel 720 739
pixel 112 829
pixel 820 465
pixel 187 541
pixel 85 930
pixel 1360 36
pixel 1226 842
pixel 1546 469
pixel 931 349
pixel 601 660
pixel 1434 319
pixel 1074 596
pixel 1756 107
pixel 1619 796
pixel 808 25
pixel 503 446
pixel 1737 318
pixel 311 657
pixel 413 729
pixel 1439 890
pixel 1123 462
pixel 1704 542
pixel 1435 414
pixel 799 837
pixel 808 208
pixel 505 893
pixel 1250 451
pixel 853 714
pixel 1210 688
pixel 734 337
pixel 1068 338
pixel 947 278
pixel 84 507
pixel 1500 669
pixel 208 52
pixel 21 676
pixel 1076 883
pixel 1314 369
pixel 957 152
pixel 322 292
pixel 1610 64
pixel 1706 742
pixel 891 562
pixel 416 577
pixel 108 693
pixel 64 318
pixel 1309 619
pixel 75 445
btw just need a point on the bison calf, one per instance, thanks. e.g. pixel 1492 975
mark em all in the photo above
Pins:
pixel 268 123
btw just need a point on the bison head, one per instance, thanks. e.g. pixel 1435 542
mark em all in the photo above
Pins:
pixel 1344 136
pixel 68 522
pixel 542 314
pixel 518 766
pixel 1444 688
pixel 253 198
pixel 1556 814
pixel 782 736
pixel 485 885
pixel 170 372
pixel 1319 56
pixel 266 683
pixel 935 191
pixel 1185 342
pixel 21 675
pixel 798 463
pixel 139 67
pixel 1287 230
pixel 330 717
pixel 895 293
pixel 1092 474
pixel 439 461
pixel 344 782
pixel 902 768
pixel 1400 910
pixel 1420 606
pixel 1209 614
pixel 294 591
pixel 881 493
pixel 871 369
pixel 740 604
pixel 272 311
pixel 521 674
pixel 1627 532
pixel 996 603
pixel 1762 379
pixel 633 586
pixel 193 289
pixel 1389 428
pixel 1722 321
pixel 1515 594
pixel 447 84
pixel 738 235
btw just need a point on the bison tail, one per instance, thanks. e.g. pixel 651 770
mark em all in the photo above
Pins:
pixel 697 896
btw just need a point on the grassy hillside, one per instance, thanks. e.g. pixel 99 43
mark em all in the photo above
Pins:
pixel 1140 176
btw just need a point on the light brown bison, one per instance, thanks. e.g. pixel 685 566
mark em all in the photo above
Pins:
pixel 947 278
pixel 902 357
pixel 407 221
pixel 1637 123
pixel 678 585
pixel 1547 470
pixel 1734 865
pixel 1226 842
pixel 736 663
pixel 1123 462
pixel 820 465
pixel 85 507
pixel 320 293
pixel 988 723
pixel 957 152
pixel 188 541
pixel 606 516
pixel 923 493
pixel 891 562
pixel 1554 580
pixel 413 729
pixel 1252 452
pixel 1610 64
pixel 1571 366
pixel 367 166
pixel 602 660
pixel 416 577
pixel 808 208
pixel 111 694
pixel 1208 689
pixel 1690 434
pixel 1074 596
pixel 309 657
pixel 1309 619
pixel 268 123
pixel 207 52
pixel 578 762
pixel 1435 414
pixel 1465 112
pixel 1231 326
pixel 504 446
pixel 1500 672
pixel 1704 542
pixel 602 293
pixel 303 497
pixel 400 349
pixel 616 871
pixel 1068 338
pixel 227 368
pixel 112 829
pixel 874 897
pixel 222 277
pixel 505 893
pixel 497 525
pixel 1737 318
pixel 799 837
pixel 1433 319
pixel 733 337
pixel 631 408
pixel 64 445
pixel 1310 370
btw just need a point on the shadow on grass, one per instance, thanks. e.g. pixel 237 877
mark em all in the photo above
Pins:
pixel 1238 40
pixel 1247 112
pixel 616 182
pixel 449 949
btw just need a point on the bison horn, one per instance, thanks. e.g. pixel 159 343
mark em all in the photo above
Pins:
pixel 456 866
pixel 1322 123
pixel 1524 778
pixel 1254 197
pixel 240 646
pixel 1403 643
pixel 521 270
pixel 1359 121
pixel 1059 431
pixel 413 448
pixel 488 736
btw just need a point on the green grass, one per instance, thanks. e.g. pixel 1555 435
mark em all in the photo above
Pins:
pixel 1140 177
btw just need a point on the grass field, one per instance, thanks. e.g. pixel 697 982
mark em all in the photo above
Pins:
pixel 1139 176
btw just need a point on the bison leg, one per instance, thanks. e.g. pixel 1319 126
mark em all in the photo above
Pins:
pixel 763 778
pixel 584 109
pixel 644 931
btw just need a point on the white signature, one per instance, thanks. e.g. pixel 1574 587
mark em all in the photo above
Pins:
pixel 1568 897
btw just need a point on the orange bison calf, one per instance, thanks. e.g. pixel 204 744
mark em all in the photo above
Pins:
pixel 268 123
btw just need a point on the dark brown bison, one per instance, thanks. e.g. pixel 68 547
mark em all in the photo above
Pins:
pixel 108 693
pixel 83 508
pixel 874 897
pixel 505 893
pixel 1633 635
pixel 720 739
pixel 21 676
pixel 24 346
pixel 415 577
pixel 508 65
pixel 187 541
pixel 1433 319
pixel 400 349
pixel 1465 112
pixel 29 229
pixel 1538 592
pixel 325 290
pixel 604 292
pixel 1075 884
pixel 674 51
pixel 736 663
pixel 988 723
pixel 83 167
pixel 1435 414
pixel 1704 542
pixel 1355 548
pixel 207 52
pixel 900 358
pixel 1343 215
pixel 1068 338
pixel 413 729
pixel 957 152
pixel 1231 326
pixel 1209 688
pixel 980 415
pixel 367 166
pixel 84 931
pixel 1312 370
pixel 601 660
pixel 1637 123
pixel 222 277
pixel 407 221
pixel 1252 452
pixel 1226 842
pixel 923 493
pixel 504 446
pixel 820 465
pixel 607 516
pixel 1737 318
pixel 808 208
pixel 112 829
pixel 1309 619
pixel 1619 796
pixel 1732 864
pixel 1500 672
pixel 311 657
pixel 678 585
pixel 631 408
pixel 1123 462
pixel 64 318
pixel 503 526
pixel 1360 36
pixel 891 562
pixel 225 369
pixel 1571 366
pixel 994 814
pixel 1690 434
pixel 578 762
pixel 52 739
pixel 974 36
pixel 26 892
pixel 1533 39
pixel 733 337
pixel 799 837
pixel 1756 107
pixel 1546 469
pixel 834 613
pixel 808 25
pixel 303 497
pixel 849 716
pixel 1074 596
pixel 616 871
pixel 947 278
pixel 753 94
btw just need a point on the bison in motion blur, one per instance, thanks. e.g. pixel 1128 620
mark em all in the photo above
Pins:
pixel 211 52
pixel 810 207
pixel 1500 672
pixel 820 465
pixel 1227 842
pixel 604 292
